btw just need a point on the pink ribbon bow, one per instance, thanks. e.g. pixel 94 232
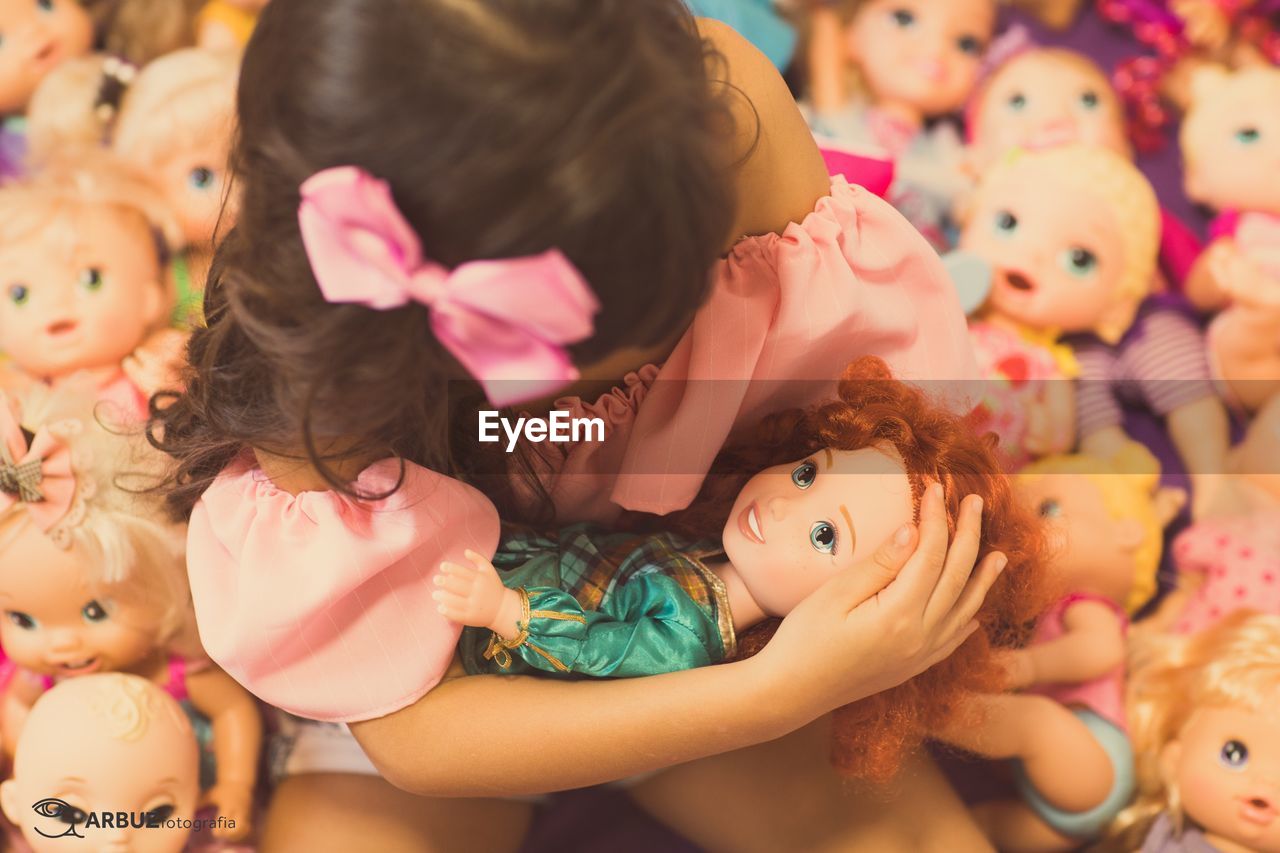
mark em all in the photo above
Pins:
pixel 37 475
pixel 507 321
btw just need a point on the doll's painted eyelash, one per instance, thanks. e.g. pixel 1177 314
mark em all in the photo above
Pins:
pixel 823 537
pixel 804 474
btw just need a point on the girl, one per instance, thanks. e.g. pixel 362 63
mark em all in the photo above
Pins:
pixel 109 595
pixel 305 410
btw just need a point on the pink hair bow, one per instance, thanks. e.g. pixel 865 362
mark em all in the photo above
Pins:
pixel 36 474
pixel 507 321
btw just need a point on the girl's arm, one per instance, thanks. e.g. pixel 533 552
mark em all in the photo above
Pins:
pixel 237 737
pixel 1091 646
pixel 779 173
pixel 870 628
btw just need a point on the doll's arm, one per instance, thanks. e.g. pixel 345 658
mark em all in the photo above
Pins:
pixel 1051 426
pixel 826 59
pixel 21 693
pixel 473 595
pixel 779 174
pixel 1092 644
pixel 1245 350
pixel 496 735
pixel 1201 432
pixel 237 737
pixel 1204 286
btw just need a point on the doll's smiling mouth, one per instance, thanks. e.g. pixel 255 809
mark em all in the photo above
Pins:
pixel 749 524
pixel 83 667
pixel 1257 810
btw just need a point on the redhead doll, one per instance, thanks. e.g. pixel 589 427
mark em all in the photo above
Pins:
pixel 1231 561
pixel 110 594
pixel 1067 730
pixel 1206 732
pixel 880 71
pixel 1231 137
pixel 99 745
pixel 80 250
pixel 816 490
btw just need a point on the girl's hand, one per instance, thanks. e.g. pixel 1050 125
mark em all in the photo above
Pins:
pixel 887 620
pixel 474 595
pixel 234 802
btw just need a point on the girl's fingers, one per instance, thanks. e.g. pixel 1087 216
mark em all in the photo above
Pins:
pixel 975 592
pixel 915 584
pixel 855 586
pixel 949 648
pixel 959 562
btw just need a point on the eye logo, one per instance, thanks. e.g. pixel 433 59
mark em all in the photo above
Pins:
pixel 52 807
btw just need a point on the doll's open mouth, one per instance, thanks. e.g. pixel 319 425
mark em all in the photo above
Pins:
pixel 1257 810
pixel 749 524
pixel 83 667
pixel 1019 282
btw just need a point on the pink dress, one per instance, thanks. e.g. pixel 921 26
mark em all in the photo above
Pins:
pixel 787 313
pixel 321 605
pixel 1105 695
pixel 1239 560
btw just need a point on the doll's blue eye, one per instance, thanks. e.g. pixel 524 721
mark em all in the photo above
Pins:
pixel 904 17
pixel 1079 261
pixel 1248 135
pixel 804 474
pixel 1049 509
pixel 1006 222
pixel 822 536
pixel 1090 100
pixel 1017 102
pixel 91 279
pixel 21 620
pixel 1234 755
pixel 94 612
pixel 969 45
pixel 19 294
pixel 201 178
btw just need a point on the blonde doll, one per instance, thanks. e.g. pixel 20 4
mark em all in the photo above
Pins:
pixel 76 106
pixel 1231 137
pixel 1067 730
pixel 80 246
pixel 1206 729
pixel 879 70
pixel 98 745
pixel 227 24
pixel 110 593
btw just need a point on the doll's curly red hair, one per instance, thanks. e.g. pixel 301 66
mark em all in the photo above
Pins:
pixel 873 736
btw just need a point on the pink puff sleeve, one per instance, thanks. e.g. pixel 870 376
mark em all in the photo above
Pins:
pixel 787 313
pixel 321 604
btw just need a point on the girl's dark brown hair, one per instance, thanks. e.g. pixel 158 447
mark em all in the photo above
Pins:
pixel 504 128
pixel 870 738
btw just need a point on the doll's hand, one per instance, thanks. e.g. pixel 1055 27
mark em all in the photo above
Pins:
pixel 157 364
pixel 474 595
pixel 1019 668
pixel 234 801
pixel 1244 280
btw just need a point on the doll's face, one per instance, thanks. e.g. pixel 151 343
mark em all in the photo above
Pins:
pixel 86 305
pixel 72 753
pixel 35 37
pixel 922 55
pixel 54 623
pixel 1225 766
pixel 1230 138
pixel 1056 250
pixel 194 182
pixel 1043 99
pixel 794 526
pixel 1093 552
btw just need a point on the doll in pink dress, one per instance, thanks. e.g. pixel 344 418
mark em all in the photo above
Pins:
pixel 81 245
pixel 1230 140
